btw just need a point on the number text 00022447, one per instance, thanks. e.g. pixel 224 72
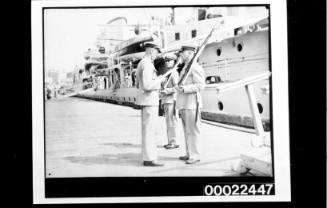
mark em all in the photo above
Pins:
pixel 239 189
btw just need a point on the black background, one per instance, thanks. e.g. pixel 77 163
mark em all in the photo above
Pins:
pixel 307 76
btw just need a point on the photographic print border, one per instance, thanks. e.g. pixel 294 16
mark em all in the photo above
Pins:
pixel 119 193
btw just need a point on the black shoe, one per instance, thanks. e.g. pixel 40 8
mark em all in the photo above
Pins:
pixel 171 146
pixel 152 164
pixel 184 157
pixel 192 161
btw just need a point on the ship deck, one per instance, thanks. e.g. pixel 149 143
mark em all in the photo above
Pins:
pixel 86 138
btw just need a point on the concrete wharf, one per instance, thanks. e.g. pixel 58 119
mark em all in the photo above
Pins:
pixel 86 138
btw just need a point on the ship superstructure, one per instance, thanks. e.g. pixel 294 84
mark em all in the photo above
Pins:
pixel 235 52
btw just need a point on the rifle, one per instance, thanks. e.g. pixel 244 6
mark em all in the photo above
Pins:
pixel 188 70
pixel 188 67
pixel 195 57
pixel 174 68
pixel 161 77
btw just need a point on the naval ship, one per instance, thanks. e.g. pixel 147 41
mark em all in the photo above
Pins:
pixel 239 49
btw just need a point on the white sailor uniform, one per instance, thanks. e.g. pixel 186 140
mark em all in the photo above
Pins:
pixel 186 103
pixel 148 99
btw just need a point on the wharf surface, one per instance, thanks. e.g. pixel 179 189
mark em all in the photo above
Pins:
pixel 86 138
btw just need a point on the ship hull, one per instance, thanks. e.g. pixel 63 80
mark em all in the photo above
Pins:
pixel 231 59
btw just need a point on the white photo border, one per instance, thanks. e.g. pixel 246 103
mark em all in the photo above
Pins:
pixel 279 64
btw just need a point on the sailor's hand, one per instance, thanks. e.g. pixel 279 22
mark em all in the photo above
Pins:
pixel 179 88
pixel 179 60
pixel 164 92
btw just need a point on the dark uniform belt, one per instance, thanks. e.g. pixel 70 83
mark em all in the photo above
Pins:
pixel 197 108
pixel 174 108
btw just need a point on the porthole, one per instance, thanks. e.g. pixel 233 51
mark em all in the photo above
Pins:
pixel 177 36
pixel 218 51
pixel 213 79
pixel 260 108
pixel 239 47
pixel 193 33
pixel 220 105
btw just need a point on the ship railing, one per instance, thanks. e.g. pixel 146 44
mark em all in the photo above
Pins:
pixel 260 139
pixel 242 82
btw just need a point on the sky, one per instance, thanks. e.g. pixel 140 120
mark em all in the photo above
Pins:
pixel 68 33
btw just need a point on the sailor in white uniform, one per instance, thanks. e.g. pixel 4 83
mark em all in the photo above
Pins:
pixel 168 100
pixel 148 84
pixel 189 103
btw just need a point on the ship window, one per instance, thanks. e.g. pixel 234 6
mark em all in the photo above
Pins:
pixel 218 51
pixel 213 79
pixel 238 31
pixel 260 108
pixel 105 83
pixel 202 14
pixel 177 36
pixel 193 33
pixel 220 105
pixel 239 47
pixel 133 78
pixel 102 50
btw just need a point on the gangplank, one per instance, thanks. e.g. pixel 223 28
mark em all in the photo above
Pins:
pixel 259 159
pixel 75 90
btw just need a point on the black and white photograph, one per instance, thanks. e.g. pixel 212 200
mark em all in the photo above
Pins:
pixel 157 97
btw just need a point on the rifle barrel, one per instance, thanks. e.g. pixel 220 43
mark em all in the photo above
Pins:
pixel 195 57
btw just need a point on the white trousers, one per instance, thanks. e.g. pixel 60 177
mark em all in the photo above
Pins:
pixel 171 122
pixel 191 133
pixel 149 116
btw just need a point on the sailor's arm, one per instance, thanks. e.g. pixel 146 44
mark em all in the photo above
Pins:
pixel 149 84
pixel 169 90
pixel 173 80
pixel 199 81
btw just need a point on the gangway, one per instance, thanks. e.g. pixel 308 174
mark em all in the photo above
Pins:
pixel 74 90
pixel 259 159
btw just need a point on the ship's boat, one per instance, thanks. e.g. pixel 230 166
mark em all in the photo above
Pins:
pixel 242 52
